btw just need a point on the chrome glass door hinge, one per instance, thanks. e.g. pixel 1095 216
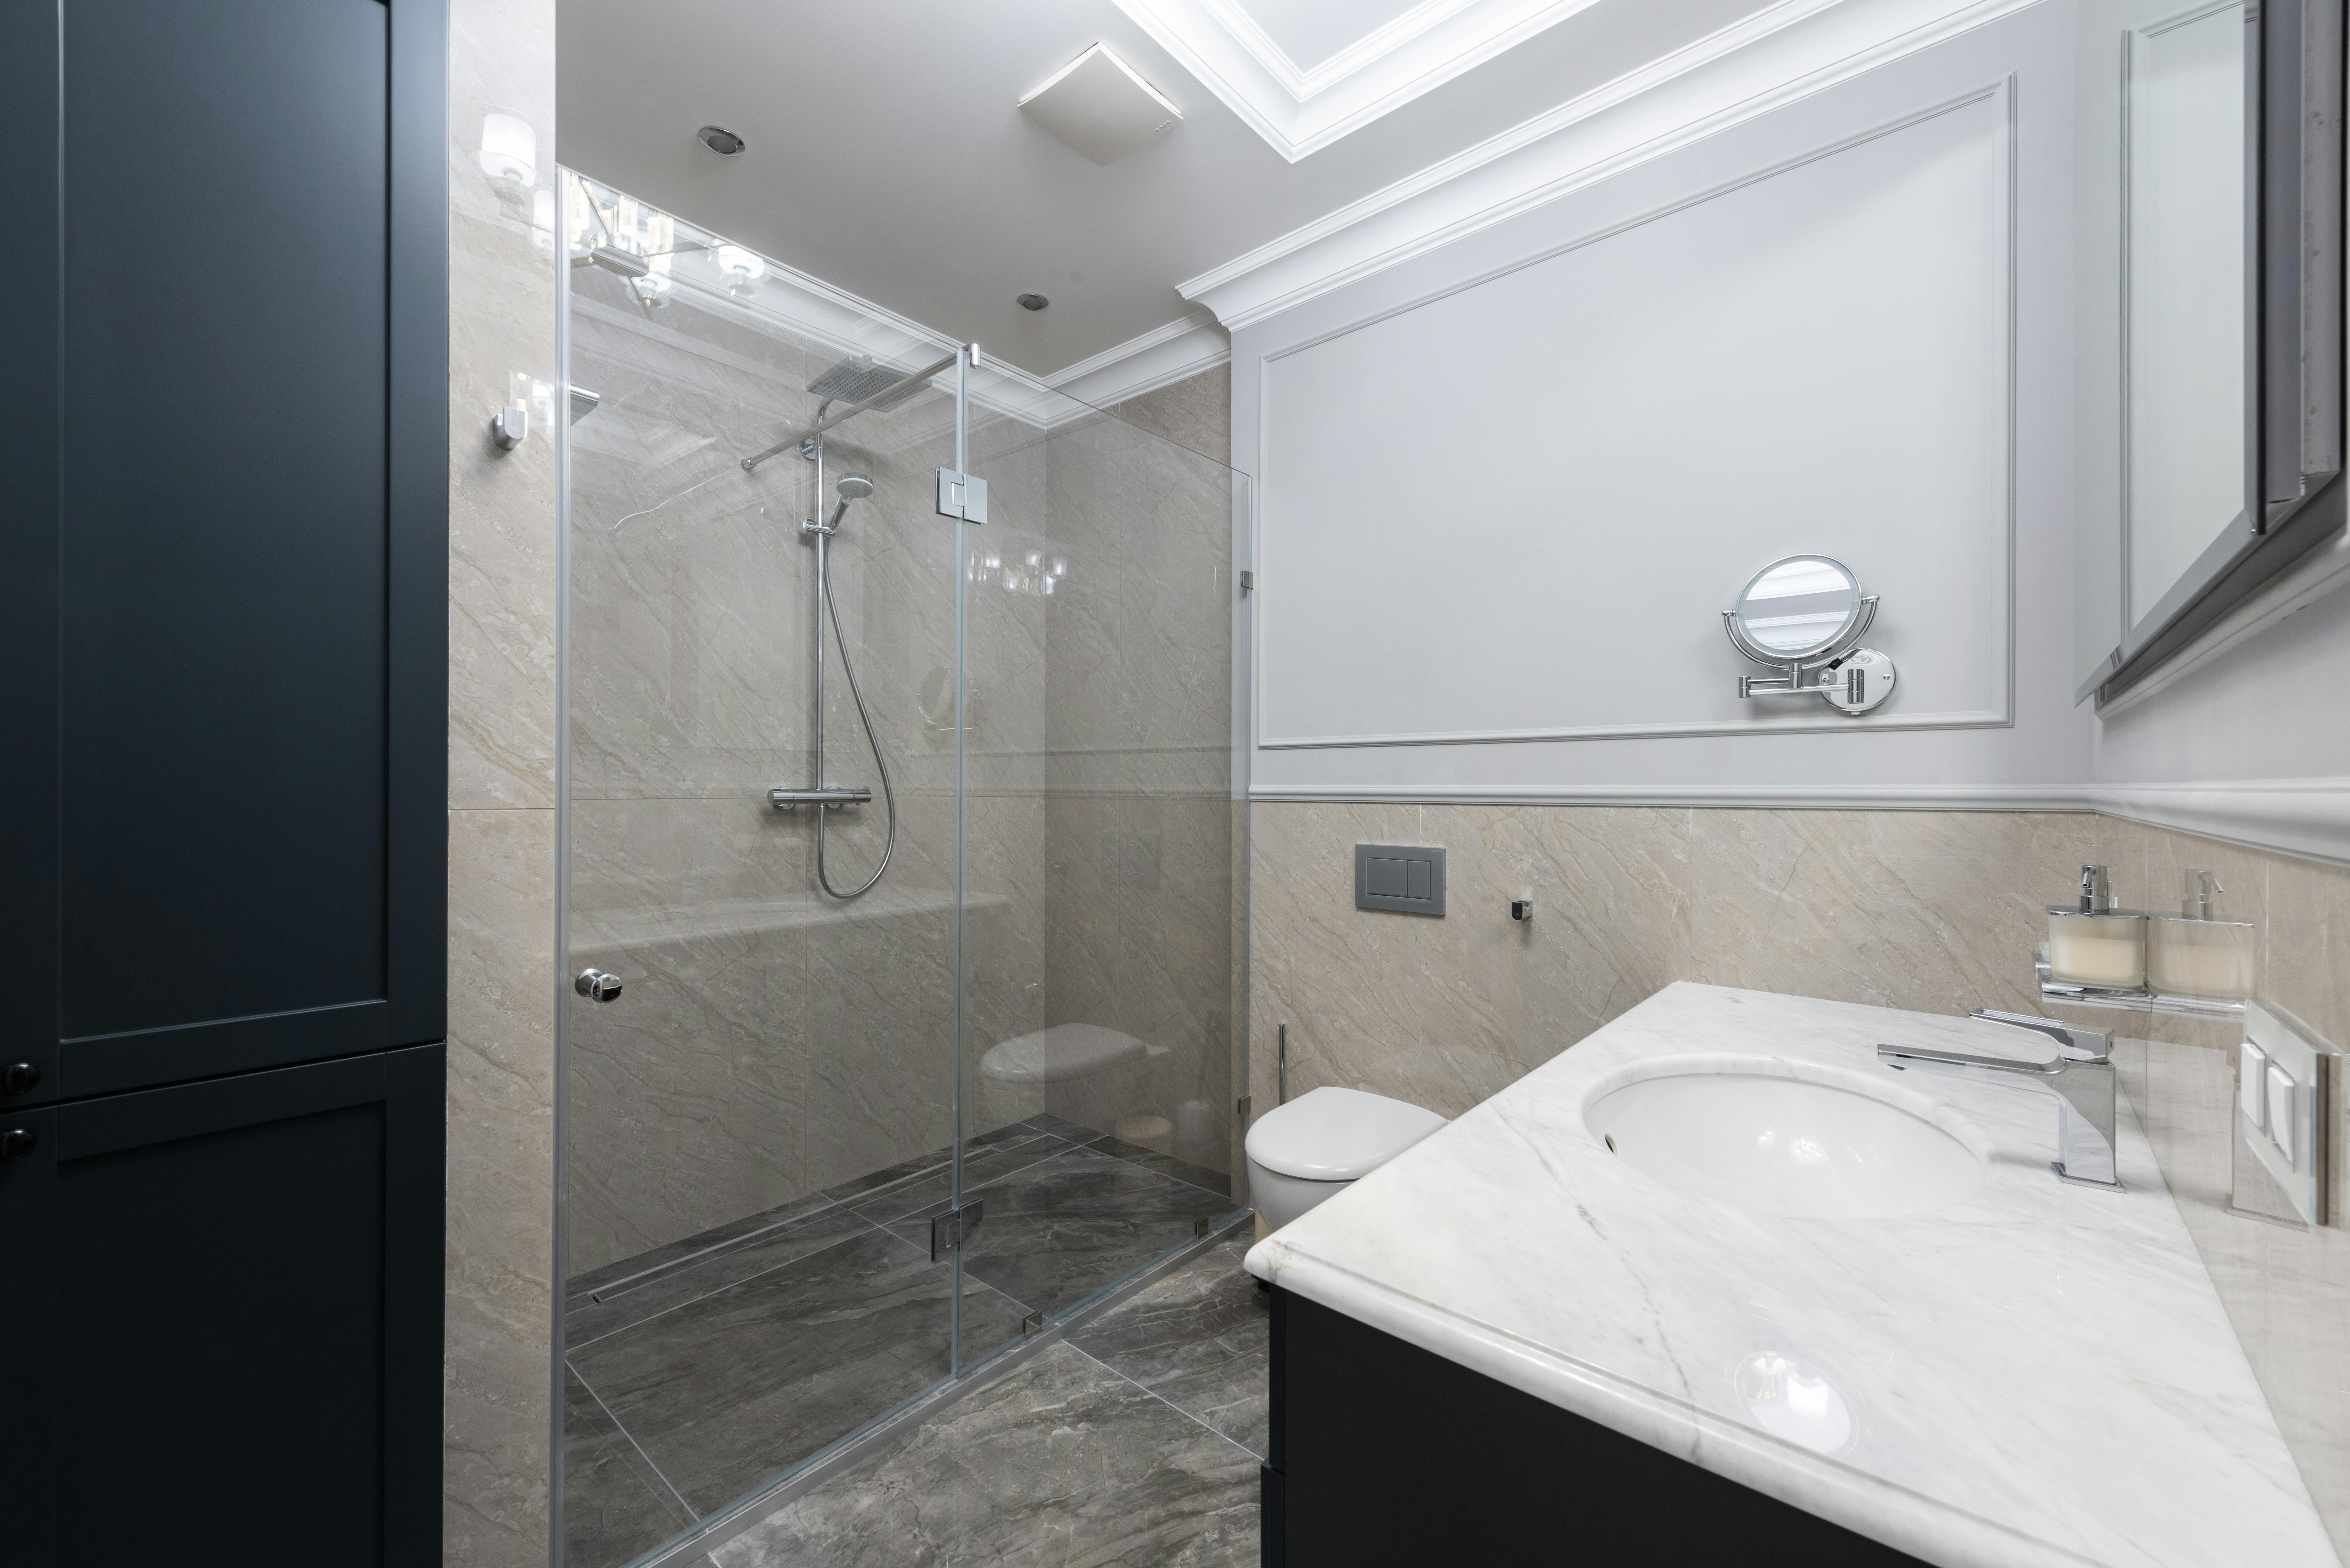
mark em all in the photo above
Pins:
pixel 950 1229
pixel 962 496
pixel 1243 1107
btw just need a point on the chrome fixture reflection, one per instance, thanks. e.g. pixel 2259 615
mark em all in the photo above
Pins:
pixel 826 800
pixel 721 141
pixel 2081 1078
pixel 1805 615
pixel 597 985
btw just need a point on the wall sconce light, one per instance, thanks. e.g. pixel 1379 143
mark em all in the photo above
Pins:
pixel 509 149
pixel 741 268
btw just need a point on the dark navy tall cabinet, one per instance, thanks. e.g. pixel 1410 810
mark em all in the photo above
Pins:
pixel 224 549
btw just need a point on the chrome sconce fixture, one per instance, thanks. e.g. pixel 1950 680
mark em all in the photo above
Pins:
pixel 1805 615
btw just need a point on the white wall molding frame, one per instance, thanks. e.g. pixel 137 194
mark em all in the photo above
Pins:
pixel 1159 358
pixel 2308 817
pixel 1299 109
pixel 1310 637
pixel 1763 63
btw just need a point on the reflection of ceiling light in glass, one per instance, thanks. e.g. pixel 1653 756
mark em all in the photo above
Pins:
pixel 509 148
pixel 652 289
pixel 741 267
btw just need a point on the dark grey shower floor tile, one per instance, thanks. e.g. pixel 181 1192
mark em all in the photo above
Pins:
pixel 616 1507
pixel 904 1171
pixel 732 1387
pixel 933 1187
pixel 1060 1463
pixel 1199 1176
pixel 588 1319
pixel 1062 1127
pixel 1056 1231
pixel 1200 1339
pixel 580 1287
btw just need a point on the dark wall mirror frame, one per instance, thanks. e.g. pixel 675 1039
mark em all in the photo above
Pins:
pixel 2293 346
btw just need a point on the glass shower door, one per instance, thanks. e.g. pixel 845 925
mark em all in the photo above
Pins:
pixel 759 1126
pixel 1099 1040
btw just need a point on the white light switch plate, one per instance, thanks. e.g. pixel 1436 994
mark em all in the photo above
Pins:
pixel 2291 1146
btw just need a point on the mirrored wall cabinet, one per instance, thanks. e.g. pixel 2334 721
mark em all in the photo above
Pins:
pixel 2209 314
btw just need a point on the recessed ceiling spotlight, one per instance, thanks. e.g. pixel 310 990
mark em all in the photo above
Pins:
pixel 1032 301
pixel 720 141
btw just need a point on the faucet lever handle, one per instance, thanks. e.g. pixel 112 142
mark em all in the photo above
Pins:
pixel 2079 1045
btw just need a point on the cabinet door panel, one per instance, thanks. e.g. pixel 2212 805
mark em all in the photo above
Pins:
pixel 236 1283
pixel 223 561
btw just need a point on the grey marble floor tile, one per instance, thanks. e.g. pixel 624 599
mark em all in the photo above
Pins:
pixel 616 1506
pixel 1058 1230
pixel 588 1319
pixel 1199 1176
pixel 1061 1463
pixel 1200 1339
pixel 577 1288
pixel 735 1387
pixel 935 1186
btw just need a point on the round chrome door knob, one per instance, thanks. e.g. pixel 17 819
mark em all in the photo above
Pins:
pixel 596 985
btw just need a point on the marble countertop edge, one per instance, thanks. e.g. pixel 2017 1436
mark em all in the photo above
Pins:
pixel 1927 1528
pixel 1894 1515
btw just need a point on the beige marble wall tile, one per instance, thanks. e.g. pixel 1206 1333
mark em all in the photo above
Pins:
pixel 1939 912
pixel 1443 1013
pixel 499 1243
pixel 502 592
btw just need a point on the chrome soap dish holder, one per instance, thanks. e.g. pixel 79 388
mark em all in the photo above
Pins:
pixel 1805 615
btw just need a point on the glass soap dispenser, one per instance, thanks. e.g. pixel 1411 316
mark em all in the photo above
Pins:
pixel 2093 943
pixel 2194 953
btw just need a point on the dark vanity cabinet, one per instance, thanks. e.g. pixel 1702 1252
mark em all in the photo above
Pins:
pixel 1383 1453
pixel 223 561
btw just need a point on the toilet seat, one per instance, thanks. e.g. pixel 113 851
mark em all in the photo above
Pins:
pixel 1061 1052
pixel 1332 1134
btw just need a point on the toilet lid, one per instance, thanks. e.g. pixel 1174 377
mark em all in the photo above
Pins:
pixel 1063 1052
pixel 1337 1135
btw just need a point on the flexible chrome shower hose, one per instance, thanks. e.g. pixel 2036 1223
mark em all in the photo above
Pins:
pixel 889 796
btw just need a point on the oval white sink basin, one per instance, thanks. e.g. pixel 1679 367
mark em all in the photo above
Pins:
pixel 1785 1144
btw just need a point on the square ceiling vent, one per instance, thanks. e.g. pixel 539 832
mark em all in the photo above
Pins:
pixel 1097 105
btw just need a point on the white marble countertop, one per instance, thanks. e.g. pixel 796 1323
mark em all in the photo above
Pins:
pixel 2040 1374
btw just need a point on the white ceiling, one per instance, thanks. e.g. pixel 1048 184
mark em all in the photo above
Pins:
pixel 1310 31
pixel 887 156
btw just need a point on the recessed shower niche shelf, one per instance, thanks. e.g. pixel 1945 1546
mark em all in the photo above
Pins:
pixel 2139 1001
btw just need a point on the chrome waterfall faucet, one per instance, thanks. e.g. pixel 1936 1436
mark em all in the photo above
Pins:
pixel 2081 1079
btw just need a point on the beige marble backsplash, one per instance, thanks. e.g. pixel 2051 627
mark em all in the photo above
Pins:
pixel 1938 911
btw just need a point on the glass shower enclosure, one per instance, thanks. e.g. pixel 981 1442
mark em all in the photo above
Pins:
pixel 826 1151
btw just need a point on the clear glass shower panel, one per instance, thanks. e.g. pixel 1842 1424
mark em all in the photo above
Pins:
pixel 1099 1011
pixel 760 1125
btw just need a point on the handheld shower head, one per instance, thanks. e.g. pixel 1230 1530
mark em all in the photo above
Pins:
pixel 852 487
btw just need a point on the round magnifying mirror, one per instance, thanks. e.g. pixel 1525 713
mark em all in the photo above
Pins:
pixel 1798 607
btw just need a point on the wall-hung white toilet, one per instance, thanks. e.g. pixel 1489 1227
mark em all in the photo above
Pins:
pixel 1302 1153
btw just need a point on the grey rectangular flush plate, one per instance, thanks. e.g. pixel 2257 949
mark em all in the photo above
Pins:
pixel 1408 881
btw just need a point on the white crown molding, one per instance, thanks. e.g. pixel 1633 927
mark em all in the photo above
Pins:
pixel 1159 357
pixel 1300 109
pixel 1768 60
pixel 2308 817
pixel 1752 797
